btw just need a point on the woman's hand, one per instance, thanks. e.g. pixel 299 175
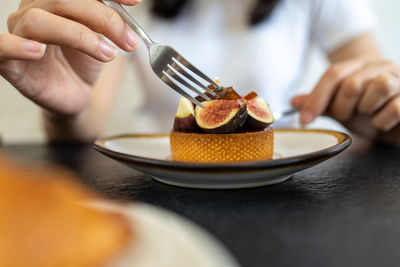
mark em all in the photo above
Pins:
pixel 363 94
pixel 60 76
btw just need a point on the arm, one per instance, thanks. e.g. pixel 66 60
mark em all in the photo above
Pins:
pixel 362 46
pixel 360 89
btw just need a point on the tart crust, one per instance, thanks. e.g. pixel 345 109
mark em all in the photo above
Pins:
pixel 199 147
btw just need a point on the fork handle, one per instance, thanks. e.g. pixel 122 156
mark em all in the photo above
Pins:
pixel 129 20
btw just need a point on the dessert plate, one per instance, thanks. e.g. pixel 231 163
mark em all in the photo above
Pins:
pixel 294 150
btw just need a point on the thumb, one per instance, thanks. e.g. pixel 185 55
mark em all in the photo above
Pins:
pixel 15 47
pixel 298 100
pixel 317 102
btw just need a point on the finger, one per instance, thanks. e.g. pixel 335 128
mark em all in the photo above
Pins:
pixel 128 2
pixel 378 91
pixel 45 27
pixel 318 100
pixel 352 88
pixel 14 17
pixel 15 47
pixel 91 13
pixel 98 17
pixel 387 118
pixel 298 100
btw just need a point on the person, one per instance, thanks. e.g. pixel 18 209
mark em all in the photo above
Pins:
pixel 56 51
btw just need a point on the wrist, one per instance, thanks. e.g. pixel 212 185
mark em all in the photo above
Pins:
pixel 70 128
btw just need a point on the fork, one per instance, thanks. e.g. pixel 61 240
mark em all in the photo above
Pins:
pixel 278 115
pixel 170 66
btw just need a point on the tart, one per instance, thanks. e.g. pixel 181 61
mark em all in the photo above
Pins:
pixel 229 128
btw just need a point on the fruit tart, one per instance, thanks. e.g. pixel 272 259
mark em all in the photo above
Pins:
pixel 229 128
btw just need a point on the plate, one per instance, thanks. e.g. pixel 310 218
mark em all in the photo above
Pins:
pixel 294 150
pixel 163 238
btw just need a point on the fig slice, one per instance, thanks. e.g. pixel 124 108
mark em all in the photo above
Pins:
pixel 221 116
pixel 184 118
pixel 259 114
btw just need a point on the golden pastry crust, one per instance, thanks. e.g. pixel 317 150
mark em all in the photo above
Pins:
pixel 43 223
pixel 198 147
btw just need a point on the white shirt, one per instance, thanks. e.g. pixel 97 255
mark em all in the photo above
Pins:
pixel 268 58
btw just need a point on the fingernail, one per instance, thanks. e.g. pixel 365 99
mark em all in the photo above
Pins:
pixel 33 47
pixel 130 38
pixel 107 49
pixel 307 116
pixel 132 2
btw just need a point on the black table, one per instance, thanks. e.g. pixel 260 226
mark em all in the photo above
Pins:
pixel 344 212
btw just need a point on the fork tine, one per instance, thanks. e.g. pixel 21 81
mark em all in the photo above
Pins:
pixel 196 71
pixel 167 79
pixel 182 71
pixel 175 74
pixel 190 66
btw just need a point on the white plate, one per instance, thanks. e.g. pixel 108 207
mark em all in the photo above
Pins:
pixel 163 238
pixel 294 150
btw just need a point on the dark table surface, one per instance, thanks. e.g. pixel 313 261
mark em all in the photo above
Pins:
pixel 343 212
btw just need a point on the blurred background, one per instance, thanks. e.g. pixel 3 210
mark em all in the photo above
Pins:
pixel 20 120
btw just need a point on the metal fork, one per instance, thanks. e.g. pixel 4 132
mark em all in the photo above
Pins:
pixel 171 67
pixel 278 115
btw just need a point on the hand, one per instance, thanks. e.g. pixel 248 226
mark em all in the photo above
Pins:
pixel 60 76
pixel 362 94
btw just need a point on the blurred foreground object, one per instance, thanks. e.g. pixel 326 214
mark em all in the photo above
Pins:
pixel 42 222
